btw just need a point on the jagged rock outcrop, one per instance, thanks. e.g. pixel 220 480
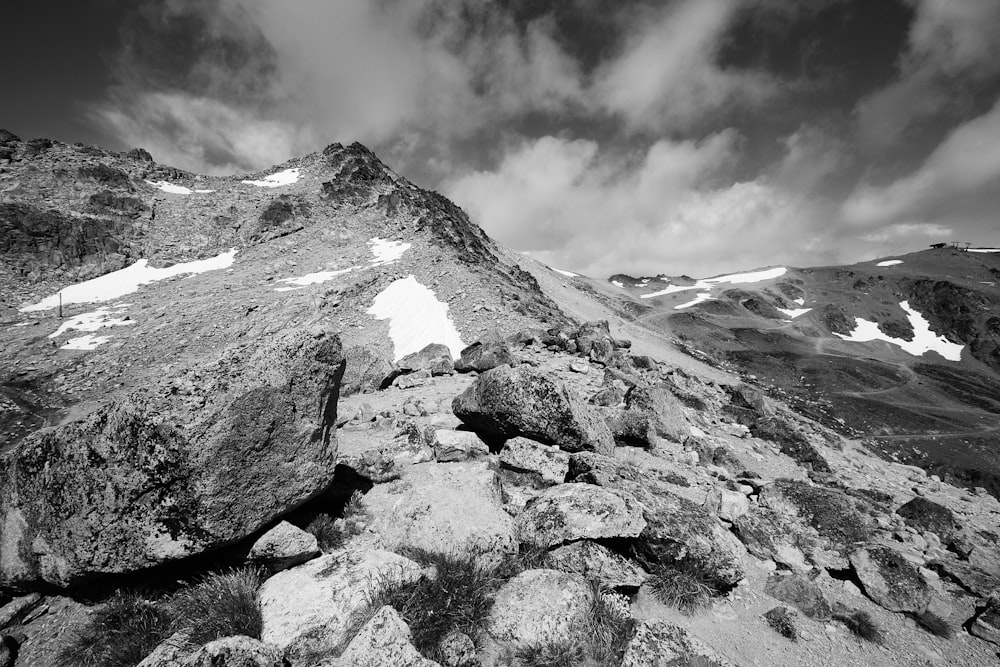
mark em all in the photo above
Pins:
pixel 158 476
pixel 506 402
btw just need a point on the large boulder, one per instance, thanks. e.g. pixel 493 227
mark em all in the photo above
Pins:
pixel 539 607
pixel 162 474
pixel 549 463
pixel 443 507
pixel 594 561
pixel 890 580
pixel 435 357
pixel 677 529
pixel 384 640
pixel 570 512
pixel 986 624
pixel 650 413
pixel 506 402
pixel 927 515
pixel 366 370
pixel 284 546
pixel 312 605
pixel 657 642
pixel 483 356
pixel 235 651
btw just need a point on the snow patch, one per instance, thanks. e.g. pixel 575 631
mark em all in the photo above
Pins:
pixel 617 284
pixel 699 298
pixel 125 281
pixel 984 250
pixel 88 342
pixel 171 188
pixel 708 283
pixel 801 302
pixel 890 262
pixel 286 177
pixel 315 278
pixel 794 312
pixel 94 320
pixel 386 252
pixel 568 274
pixel 924 340
pixel 416 318
pixel 23 324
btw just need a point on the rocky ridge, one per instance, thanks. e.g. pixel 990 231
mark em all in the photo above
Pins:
pixel 598 467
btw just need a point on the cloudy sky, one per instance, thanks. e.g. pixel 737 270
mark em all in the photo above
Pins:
pixel 637 136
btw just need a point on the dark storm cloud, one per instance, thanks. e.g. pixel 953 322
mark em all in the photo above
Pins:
pixel 690 136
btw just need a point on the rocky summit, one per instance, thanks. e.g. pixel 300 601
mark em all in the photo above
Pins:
pixel 314 416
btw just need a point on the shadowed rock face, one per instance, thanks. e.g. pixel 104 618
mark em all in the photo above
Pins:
pixel 158 476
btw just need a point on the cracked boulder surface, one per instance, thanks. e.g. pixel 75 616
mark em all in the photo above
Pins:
pixel 160 475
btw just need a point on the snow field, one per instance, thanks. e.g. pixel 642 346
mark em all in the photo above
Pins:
pixel 88 342
pixel 699 298
pixel 733 279
pixel 794 312
pixel 174 189
pixel 286 177
pixel 416 318
pixel 890 262
pixel 94 320
pixel 125 281
pixel 568 274
pixel 924 340
pixel 387 252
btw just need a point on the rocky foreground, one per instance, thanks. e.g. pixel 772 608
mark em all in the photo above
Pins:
pixel 240 467
pixel 602 474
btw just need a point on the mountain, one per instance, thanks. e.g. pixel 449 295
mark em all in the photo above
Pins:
pixel 418 447
pixel 903 352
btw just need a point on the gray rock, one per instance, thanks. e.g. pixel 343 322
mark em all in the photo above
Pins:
pixel 802 593
pixel 443 507
pixel 987 623
pixel 17 609
pixel 259 441
pixel 540 607
pixel 594 561
pixel 523 455
pixel 315 601
pixel 458 650
pixel 450 445
pixel 659 643
pixel 890 580
pixel 591 332
pixel 650 413
pixel 927 515
pixel 435 358
pixel 729 505
pixel 505 402
pixel 366 370
pixel 235 651
pixel 384 640
pixel 284 546
pixel 579 511
pixel 483 356
pixel 171 651
pixel 579 366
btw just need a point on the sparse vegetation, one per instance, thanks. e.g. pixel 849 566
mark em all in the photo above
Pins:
pixel 332 532
pixel 861 625
pixel 683 584
pixel 119 633
pixel 553 654
pixel 610 626
pixel 782 621
pixel 128 626
pixel 219 605
pixel 458 597
pixel 934 624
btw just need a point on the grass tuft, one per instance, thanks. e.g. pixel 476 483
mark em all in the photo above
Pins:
pixel 220 605
pixel 333 533
pixel 934 624
pixel 457 598
pixel 119 633
pixel 684 585
pixel 782 621
pixel 128 626
pixel 861 625
pixel 552 654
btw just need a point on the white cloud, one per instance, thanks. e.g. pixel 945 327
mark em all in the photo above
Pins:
pixel 907 230
pixel 667 77
pixel 967 160
pixel 567 204
pixel 951 44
